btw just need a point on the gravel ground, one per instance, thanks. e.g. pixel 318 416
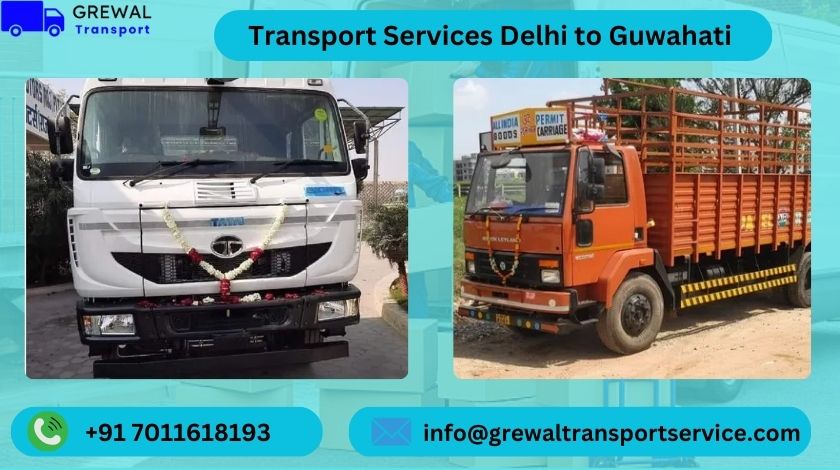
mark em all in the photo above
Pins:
pixel 749 337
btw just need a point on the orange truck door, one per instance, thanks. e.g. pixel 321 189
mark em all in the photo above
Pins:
pixel 600 232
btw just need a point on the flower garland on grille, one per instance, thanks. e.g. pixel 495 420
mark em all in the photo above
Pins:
pixel 223 277
pixel 503 276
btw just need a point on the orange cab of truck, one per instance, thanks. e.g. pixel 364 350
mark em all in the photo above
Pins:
pixel 616 209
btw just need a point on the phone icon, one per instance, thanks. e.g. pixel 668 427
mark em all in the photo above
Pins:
pixel 47 431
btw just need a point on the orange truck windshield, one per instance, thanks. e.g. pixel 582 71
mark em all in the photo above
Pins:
pixel 511 183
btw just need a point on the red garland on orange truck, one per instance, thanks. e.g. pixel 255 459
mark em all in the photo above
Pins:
pixel 666 210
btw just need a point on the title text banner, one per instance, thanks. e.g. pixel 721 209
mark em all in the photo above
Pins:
pixel 692 35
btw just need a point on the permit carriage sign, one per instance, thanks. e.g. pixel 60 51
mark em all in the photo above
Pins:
pixel 529 126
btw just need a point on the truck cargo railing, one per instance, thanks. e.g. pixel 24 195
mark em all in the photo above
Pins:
pixel 689 131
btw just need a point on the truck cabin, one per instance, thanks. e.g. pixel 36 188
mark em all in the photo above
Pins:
pixel 536 179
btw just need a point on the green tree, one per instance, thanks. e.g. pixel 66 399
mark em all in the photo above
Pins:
pixel 654 103
pixel 47 201
pixel 387 235
pixel 783 91
pixel 658 102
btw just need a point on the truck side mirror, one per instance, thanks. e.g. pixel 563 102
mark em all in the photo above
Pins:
pixel 588 195
pixel 360 136
pixel 360 168
pixel 75 107
pixel 61 169
pixel 60 135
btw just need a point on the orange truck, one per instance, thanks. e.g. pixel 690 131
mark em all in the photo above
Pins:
pixel 621 208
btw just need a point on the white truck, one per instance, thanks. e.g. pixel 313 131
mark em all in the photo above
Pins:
pixel 215 225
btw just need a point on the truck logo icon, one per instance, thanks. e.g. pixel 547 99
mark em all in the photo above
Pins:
pixel 227 246
pixel 17 16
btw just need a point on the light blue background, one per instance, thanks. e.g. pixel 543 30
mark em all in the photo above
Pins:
pixel 182 44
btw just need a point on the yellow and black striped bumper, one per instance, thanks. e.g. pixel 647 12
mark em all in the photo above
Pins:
pixel 697 293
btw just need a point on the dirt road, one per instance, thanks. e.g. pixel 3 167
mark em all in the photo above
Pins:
pixel 748 337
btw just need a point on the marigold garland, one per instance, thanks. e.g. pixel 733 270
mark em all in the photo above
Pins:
pixel 503 276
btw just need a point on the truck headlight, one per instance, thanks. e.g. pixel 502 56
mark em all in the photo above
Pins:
pixel 335 309
pixel 550 276
pixel 108 325
pixel 471 267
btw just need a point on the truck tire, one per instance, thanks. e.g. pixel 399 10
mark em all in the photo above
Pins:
pixel 632 322
pixel 799 293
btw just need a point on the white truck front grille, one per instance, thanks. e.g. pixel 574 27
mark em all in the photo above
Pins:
pixel 213 192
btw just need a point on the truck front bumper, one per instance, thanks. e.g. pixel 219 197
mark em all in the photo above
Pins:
pixel 216 327
pixel 560 302
pixel 546 311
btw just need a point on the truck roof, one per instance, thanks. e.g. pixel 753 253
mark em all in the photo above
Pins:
pixel 267 83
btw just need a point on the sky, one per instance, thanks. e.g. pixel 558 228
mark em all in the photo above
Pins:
pixel 393 146
pixel 476 99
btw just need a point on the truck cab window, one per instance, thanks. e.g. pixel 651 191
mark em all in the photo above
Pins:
pixel 615 184
pixel 509 183
pixel 252 129
pixel 533 182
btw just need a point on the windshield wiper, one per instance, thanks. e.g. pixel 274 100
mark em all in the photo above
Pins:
pixel 169 168
pixel 279 166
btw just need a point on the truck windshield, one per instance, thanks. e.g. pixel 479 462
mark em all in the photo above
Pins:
pixel 533 182
pixel 126 133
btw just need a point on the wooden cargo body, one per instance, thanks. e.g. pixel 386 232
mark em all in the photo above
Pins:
pixel 729 174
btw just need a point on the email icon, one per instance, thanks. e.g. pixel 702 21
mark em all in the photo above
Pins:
pixel 390 432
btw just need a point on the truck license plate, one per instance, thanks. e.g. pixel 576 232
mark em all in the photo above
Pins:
pixel 502 319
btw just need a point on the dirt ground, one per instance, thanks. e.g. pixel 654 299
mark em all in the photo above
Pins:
pixel 749 337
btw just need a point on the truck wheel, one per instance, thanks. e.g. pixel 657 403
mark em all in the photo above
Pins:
pixel 54 30
pixel 799 293
pixel 633 321
pixel 15 30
